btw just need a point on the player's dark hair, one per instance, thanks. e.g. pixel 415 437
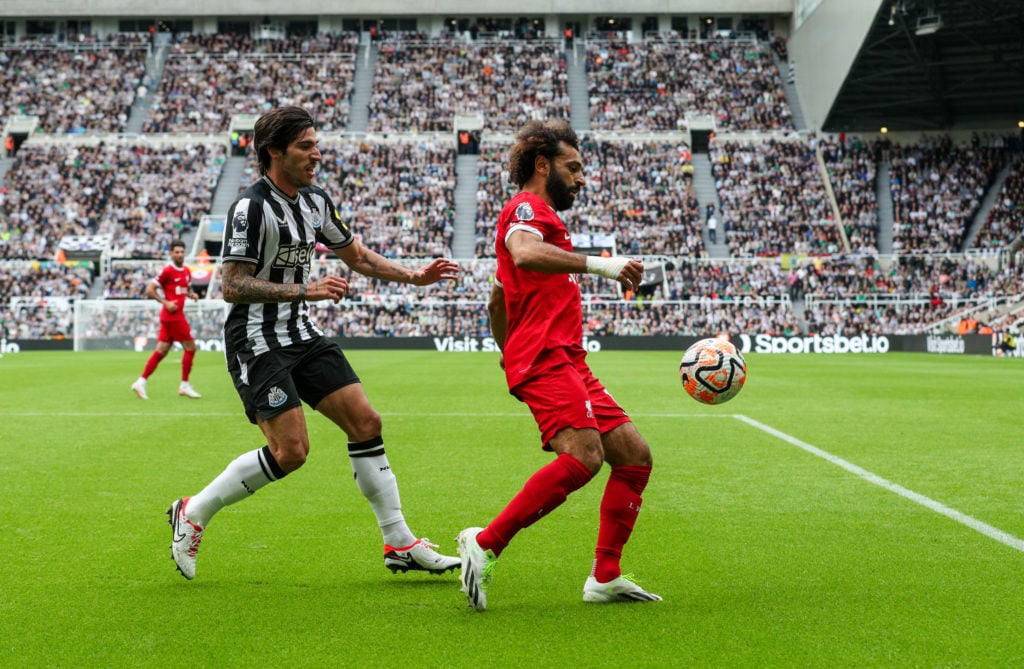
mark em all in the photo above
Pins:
pixel 276 130
pixel 176 243
pixel 538 138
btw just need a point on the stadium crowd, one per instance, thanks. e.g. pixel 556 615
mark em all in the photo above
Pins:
pixel 399 195
pixel 1005 220
pixel 144 195
pixel 210 78
pixel 36 298
pixel 127 282
pixel 856 296
pixel 45 279
pixel 773 199
pixel 421 84
pixel 399 189
pixel 493 190
pixel 852 173
pixel 87 86
pixel 937 186
pixel 655 84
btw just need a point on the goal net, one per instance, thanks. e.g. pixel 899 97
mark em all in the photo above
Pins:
pixel 133 325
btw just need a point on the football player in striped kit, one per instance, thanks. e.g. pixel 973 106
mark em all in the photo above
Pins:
pixel 278 358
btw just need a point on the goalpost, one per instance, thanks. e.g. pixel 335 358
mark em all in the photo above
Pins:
pixel 133 325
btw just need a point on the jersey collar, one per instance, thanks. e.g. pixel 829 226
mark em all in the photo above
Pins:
pixel 281 193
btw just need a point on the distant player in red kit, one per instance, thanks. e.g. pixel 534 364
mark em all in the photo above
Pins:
pixel 537 319
pixel 170 289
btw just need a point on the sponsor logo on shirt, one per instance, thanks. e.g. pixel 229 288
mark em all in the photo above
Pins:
pixel 294 255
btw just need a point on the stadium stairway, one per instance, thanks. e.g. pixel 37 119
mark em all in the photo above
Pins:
pixel 576 86
pixel 991 195
pixel 5 164
pixel 789 86
pixel 704 185
pixel 154 72
pixel 800 314
pixel 886 217
pixel 362 87
pixel 228 186
pixel 96 289
pixel 464 236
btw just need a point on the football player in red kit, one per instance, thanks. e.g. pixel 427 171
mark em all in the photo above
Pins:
pixel 537 320
pixel 170 289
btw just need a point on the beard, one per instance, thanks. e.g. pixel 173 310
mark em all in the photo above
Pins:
pixel 560 194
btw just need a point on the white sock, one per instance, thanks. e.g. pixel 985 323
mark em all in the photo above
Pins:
pixel 380 488
pixel 240 479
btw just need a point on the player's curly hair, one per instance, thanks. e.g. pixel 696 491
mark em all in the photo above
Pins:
pixel 538 138
pixel 276 130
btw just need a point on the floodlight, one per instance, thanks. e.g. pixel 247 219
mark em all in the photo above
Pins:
pixel 929 24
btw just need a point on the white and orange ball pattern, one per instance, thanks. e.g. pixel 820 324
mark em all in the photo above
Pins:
pixel 713 371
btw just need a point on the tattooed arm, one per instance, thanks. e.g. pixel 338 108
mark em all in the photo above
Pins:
pixel 370 263
pixel 240 286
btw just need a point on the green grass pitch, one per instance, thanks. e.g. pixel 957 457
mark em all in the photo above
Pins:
pixel 769 552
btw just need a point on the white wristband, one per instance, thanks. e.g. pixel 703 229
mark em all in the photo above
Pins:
pixel 606 267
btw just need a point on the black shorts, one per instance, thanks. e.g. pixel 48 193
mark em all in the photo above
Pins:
pixel 282 379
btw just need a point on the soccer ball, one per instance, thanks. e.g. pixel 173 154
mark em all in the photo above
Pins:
pixel 713 371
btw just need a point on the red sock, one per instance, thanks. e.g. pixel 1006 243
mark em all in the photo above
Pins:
pixel 542 494
pixel 186 364
pixel 619 508
pixel 151 364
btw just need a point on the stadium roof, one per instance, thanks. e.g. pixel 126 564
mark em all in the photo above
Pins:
pixel 936 64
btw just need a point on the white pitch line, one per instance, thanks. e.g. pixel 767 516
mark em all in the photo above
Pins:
pixel 938 507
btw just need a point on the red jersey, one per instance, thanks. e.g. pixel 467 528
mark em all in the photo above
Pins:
pixel 176 282
pixel 545 315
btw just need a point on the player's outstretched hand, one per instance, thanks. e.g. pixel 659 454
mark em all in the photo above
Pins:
pixel 627 271
pixel 439 269
pixel 632 274
pixel 326 288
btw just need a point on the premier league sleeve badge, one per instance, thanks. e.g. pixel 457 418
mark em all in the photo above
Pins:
pixel 524 212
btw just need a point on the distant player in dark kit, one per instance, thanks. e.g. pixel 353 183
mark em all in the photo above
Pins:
pixel 170 289
pixel 537 319
pixel 279 359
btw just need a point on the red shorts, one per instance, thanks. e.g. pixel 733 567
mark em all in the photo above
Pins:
pixel 569 396
pixel 173 331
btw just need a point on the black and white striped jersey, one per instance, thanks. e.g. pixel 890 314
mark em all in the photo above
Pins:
pixel 278 234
